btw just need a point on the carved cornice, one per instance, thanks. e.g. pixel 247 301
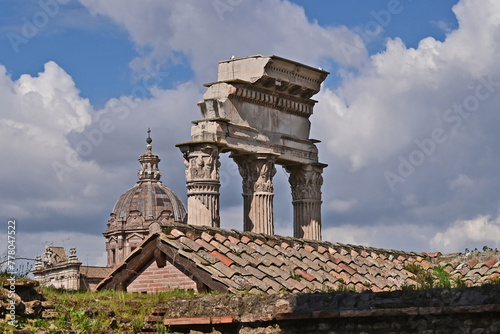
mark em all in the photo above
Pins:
pixel 295 106
pixel 295 74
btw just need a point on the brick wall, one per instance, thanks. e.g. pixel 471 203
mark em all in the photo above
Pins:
pixel 153 279
pixel 434 311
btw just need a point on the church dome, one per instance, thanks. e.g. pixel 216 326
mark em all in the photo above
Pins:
pixel 149 200
pixel 153 200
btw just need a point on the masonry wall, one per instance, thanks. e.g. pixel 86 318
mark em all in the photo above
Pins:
pixel 436 311
pixel 153 279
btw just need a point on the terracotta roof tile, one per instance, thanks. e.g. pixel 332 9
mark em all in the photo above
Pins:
pixel 254 272
pixel 284 245
pixel 333 258
pixel 207 237
pixel 253 260
pixel 225 270
pixel 207 256
pixel 272 284
pixel 267 270
pixel 304 274
pixel 347 268
pixel 322 250
pixel 245 239
pixel 176 233
pixel 193 246
pixel 472 263
pixel 234 240
pixel 260 263
pixel 224 259
pixel 270 250
pixel 298 286
pixel 195 257
pixel 258 248
pixel 257 283
pixel 205 244
pixel 238 259
pixel 490 262
pixel 259 242
pixel 281 271
pixel 220 247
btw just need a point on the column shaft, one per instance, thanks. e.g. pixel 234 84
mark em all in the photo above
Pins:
pixel 203 203
pixel 305 182
pixel 257 172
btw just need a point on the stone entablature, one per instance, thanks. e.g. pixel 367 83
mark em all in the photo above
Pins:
pixel 258 110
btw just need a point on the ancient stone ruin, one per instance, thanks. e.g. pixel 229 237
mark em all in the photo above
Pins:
pixel 258 111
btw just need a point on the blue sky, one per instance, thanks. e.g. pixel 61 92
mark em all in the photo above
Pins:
pixel 407 117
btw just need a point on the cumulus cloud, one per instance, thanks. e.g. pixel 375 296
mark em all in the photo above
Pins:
pixel 39 112
pixel 69 162
pixel 461 181
pixel 407 236
pixel 474 233
pixel 208 31
pixel 416 125
pixel 404 93
pixel 340 206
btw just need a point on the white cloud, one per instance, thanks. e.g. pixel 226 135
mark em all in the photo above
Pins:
pixel 462 181
pixel 90 247
pixel 475 233
pixel 407 236
pixel 39 113
pixel 402 95
pixel 341 206
pixel 196 29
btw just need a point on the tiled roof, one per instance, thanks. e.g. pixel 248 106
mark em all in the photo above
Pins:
pixel 94 272
pixel 245 261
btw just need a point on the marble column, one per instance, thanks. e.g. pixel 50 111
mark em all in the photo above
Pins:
pixel 257 171
pixel 305 182
pixel 203 183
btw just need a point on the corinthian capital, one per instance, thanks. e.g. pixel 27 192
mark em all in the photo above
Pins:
pixel 305 181
pixel 202 162
pixel 257 172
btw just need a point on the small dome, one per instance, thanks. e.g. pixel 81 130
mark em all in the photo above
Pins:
pixel 149 200
pixel 153 200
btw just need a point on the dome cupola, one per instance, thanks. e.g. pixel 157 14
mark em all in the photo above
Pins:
pixel 147 202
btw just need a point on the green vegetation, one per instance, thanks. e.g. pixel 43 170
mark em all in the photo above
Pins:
pixel 437 277
pixel 294 275
pixel 86 311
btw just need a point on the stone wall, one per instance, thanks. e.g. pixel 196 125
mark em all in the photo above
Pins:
pixel 469 310
pixel 153 279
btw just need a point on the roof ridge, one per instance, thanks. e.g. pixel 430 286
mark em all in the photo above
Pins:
pixel 168 227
